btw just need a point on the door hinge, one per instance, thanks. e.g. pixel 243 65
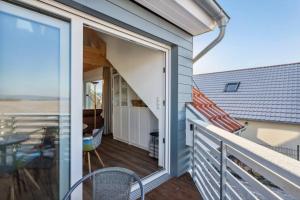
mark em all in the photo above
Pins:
pixel 164 140
pixel 164 103
pixel 164 70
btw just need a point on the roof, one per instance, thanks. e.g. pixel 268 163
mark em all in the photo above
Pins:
pixel 213 113
pixel 270 93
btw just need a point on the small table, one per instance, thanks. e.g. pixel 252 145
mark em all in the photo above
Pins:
pixel 8 140
pixel 11 139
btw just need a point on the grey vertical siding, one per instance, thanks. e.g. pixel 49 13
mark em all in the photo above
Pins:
pixel 129 15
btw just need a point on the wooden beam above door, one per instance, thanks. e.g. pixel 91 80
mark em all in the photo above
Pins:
pixel 94 51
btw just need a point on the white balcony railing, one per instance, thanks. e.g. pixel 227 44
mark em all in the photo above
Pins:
pixel 226 166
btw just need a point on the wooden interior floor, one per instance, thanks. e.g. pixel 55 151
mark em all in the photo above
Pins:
pixel 178 188
pixel 119 154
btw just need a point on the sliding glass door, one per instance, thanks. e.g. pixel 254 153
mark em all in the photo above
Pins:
pixel 34 104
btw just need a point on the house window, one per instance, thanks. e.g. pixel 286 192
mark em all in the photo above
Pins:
pixel 232 87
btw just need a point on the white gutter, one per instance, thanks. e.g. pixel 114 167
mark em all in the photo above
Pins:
pixel 216 12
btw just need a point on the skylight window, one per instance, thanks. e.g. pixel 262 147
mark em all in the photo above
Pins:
pixel 232 87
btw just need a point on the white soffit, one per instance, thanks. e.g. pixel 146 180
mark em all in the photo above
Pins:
pixel 184 13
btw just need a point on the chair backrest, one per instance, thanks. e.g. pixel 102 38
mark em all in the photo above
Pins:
pixel 92 142
pixel 97 137
pixel 112 183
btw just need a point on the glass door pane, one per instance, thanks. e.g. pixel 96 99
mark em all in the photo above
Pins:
pixel 116 90
pixel 34 104
pixel 124 93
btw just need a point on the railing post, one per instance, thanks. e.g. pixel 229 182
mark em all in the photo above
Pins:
pixel 298 152
pixel 192 128
pixel 223 170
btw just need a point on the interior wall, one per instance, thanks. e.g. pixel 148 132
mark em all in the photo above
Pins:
pixel 141 67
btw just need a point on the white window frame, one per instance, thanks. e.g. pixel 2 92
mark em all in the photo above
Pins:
pixel 64 48
pixel 78 19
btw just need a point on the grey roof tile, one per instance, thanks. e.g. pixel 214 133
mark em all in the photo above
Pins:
pixel 265 93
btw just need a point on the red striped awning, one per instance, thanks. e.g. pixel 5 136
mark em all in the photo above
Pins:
pixel 213 113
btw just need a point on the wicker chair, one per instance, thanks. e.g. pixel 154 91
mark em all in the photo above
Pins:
pixel 91 143
pixel 112 183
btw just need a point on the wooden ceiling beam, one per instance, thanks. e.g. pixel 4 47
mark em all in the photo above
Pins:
pixel 94 51
pixel 93 60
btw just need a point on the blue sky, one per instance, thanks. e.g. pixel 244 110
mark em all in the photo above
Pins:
pixel 260 33
pixel 29 58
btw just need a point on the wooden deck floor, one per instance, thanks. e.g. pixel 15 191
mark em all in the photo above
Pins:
pixel 118 154
pixel 113 153
pixel 181 188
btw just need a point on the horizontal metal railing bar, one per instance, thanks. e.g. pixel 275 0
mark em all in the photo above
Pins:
pixel 214 151
pixel 232 193
pixel 227 197
pixel 203 190
pixel 252 181
pixel 214 161
pixel 210 136
pixel 277 179
pixel 234 182
pixel 279 163
pixel 208 185
pixel 280 170
pixel 212 180
pixel 212 169
pixel 38 120
pixel 33 114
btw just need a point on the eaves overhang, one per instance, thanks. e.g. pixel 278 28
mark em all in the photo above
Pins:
pixel 193 16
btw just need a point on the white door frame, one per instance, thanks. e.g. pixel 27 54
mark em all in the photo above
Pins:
pixel 78 19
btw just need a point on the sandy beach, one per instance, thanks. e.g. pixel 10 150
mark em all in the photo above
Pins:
pixel 29 106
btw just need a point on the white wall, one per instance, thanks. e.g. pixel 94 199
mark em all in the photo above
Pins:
pixel 141 67
pixel 274 134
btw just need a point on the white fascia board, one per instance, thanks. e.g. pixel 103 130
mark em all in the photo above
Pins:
pixel 185 14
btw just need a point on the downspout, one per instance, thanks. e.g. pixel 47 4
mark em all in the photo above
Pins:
pixel 217 13
pixel 222 28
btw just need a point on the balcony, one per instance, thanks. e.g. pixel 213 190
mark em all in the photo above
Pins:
pixel 176 188
pixel 226 166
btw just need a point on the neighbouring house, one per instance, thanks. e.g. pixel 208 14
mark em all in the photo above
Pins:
pixel 266 100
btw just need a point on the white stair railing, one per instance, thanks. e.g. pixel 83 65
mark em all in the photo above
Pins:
pixel 226 166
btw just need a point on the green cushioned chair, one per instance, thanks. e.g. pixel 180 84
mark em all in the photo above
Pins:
pixel 91 143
